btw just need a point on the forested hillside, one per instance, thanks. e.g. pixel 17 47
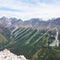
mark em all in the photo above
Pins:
pixel 32 43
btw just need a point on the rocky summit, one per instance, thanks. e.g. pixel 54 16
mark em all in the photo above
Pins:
pixel 7 55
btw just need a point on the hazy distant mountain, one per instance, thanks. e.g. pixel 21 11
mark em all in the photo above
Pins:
pixel 35 23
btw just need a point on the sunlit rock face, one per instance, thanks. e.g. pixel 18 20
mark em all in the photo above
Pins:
pixel 7 55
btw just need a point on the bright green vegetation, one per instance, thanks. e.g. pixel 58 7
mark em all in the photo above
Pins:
pixel 29 42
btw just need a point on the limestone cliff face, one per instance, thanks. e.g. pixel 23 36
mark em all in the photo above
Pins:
pixel 7 55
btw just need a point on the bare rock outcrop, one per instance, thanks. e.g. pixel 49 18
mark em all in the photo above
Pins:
pixel 7 55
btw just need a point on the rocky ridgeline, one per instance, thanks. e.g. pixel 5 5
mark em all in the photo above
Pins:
pixel 7 55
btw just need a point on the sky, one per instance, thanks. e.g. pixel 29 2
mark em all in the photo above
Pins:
pixel 27 9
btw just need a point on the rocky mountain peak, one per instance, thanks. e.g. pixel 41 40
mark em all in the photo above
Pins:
pixel 7 55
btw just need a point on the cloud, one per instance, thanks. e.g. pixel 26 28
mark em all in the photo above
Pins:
pixel 26 9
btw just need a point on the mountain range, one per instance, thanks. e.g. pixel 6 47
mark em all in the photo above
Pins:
pixel 31 38
pixel 35 23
